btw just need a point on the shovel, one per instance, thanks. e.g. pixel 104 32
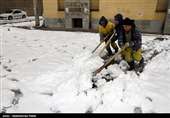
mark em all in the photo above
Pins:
pixel 97 46
pixel 108 42
pixel 100 44
pixel 110 60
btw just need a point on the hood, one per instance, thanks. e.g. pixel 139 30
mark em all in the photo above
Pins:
pixel 119 18
pixel 103 21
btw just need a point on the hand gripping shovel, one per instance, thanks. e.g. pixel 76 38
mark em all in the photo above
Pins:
pixel 110 60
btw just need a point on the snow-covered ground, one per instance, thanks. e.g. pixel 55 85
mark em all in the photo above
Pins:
pixel 27 19
pixel 51 72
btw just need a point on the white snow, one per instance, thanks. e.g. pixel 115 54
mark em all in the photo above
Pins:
pixel 27 19
pixel 51 72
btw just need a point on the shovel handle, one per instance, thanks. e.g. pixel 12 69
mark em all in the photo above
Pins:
pixel 97 46
pixel 109 61
pixel 108 42
pixel 100 44
pixel 98 70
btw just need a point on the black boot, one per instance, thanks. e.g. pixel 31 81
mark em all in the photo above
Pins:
pixel 132 65
pixel 141 65
pixel 141 61
pixel 116 49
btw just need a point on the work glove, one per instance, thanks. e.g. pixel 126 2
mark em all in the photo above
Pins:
pixel 127 44
pixel 120 44
pixel 131 44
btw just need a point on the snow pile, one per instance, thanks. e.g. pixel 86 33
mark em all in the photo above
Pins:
pixel 73 77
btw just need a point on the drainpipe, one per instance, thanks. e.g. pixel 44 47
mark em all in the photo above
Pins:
pixel 37 21
pixel 166 19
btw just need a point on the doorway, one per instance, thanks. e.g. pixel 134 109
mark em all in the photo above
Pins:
pixel 77 23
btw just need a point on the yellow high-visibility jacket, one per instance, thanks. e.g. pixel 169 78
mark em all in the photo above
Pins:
pixel 108 29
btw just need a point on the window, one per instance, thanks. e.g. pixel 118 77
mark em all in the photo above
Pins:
pixel 17 12
pixel 60 5
pixel 9 11
pixel 75 9
pixel 162 5
pixel 94 5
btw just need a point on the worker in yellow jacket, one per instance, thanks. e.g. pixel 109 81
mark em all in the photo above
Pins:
pixel 106 29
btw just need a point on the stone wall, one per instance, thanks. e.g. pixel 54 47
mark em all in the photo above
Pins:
pixel 54 22
pixel 77 9
pixel 144 12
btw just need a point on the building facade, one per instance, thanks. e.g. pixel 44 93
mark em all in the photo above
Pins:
pixel 151 16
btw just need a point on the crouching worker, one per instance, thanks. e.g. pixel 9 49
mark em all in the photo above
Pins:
pixel 106 29
pixel 133 53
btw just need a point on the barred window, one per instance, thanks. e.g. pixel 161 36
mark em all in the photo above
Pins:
pixel 75 9
pixel 94 5
pixel 60 5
